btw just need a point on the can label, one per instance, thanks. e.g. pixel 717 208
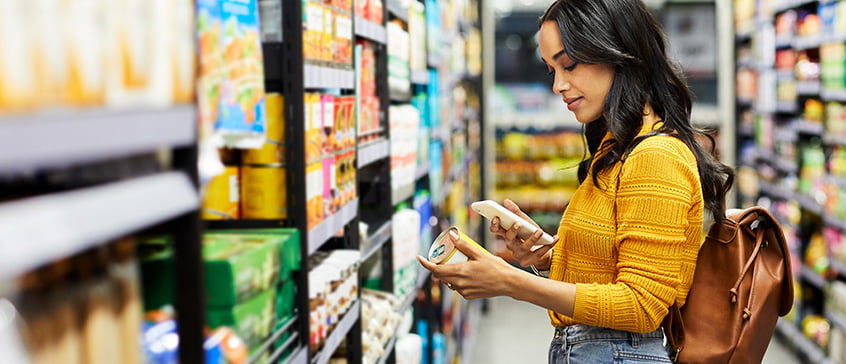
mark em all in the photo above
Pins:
pixel 443 250
pixel 221 201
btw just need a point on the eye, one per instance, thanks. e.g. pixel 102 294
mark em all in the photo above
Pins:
pixel 572 67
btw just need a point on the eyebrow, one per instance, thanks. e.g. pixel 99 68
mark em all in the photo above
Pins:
pixel 556 56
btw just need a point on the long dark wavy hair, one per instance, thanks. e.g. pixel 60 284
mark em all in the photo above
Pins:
pixel 626 35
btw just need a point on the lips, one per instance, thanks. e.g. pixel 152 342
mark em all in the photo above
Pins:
pixel 573 102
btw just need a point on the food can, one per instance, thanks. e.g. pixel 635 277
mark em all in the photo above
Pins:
pixel 273 149
pixel 443 250
pixel 263 192
pixel 222 198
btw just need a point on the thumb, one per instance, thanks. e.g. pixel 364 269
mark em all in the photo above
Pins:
pixel 468 249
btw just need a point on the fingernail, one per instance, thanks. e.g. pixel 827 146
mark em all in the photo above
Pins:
pixel 453 234
pixel 538 234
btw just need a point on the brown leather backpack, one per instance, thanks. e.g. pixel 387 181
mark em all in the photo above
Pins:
pixel 742 284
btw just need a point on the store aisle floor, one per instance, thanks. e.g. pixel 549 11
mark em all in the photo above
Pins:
pixel 516 332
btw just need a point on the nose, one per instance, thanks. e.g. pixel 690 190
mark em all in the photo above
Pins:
pixel 560 84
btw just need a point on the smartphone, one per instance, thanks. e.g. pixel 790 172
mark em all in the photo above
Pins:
pixel 491 209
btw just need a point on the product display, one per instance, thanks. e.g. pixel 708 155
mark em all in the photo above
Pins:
pixel 214 274
pixel 790 83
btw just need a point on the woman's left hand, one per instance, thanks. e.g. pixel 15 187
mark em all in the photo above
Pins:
pixel 483 275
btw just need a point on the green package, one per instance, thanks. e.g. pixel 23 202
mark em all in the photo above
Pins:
pixel 252 320
pixel 288 241
pixel 238 267
pixel 286 299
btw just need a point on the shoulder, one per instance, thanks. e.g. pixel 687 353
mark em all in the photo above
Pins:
pixel 663 147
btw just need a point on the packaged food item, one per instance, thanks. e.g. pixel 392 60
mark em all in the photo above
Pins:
pixel 314 193
pixel 222 199
pixel 313 121
pixel 327 44
pixel 238 268
pixel 264 191
pixel 50 59
pixel 327 119
pixel 182 52
pixel 313 28
pixel 343 39
pixel 273 149
pixel 443 250
pixel 330 190
pixel 243 122
pixel 252 320
pixel 84 35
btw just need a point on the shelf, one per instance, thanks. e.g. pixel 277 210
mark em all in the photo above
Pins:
pixel 835 223
pixel 786 107
pixel 798 340
pixel 433 61
pixel 375 241
pixel 834 139
pixel 808 42
pixel 62 138
pixel 337 335
pixel 812 277
pixel 326 229
pixel 319 77
pixel 397 9
pixel 783 41
pixel 836 319
pixel 299 357
pixel 389 348
pixel 420 77
pixel 373 152
pixel 422 170
pixel 267 344
pixel 367 29
pixel 402 193
pixel 808 127
pixel 838 266
pixel 808 88
pixel 833 95
pixel 775 191
pixel 39 230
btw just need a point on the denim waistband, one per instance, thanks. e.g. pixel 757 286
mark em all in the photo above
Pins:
pixel 580 332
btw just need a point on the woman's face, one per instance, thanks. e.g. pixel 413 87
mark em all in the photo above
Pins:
pixel 582 86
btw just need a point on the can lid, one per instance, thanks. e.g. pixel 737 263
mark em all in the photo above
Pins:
pixel 442 248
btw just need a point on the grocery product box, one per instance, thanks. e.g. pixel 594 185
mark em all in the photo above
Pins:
pixel 287 242
pixel 238 268
pixel 252 320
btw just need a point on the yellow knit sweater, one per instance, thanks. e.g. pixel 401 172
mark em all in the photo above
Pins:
pixel 631 247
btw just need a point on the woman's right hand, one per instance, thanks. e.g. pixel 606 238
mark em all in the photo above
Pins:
pixel 521 249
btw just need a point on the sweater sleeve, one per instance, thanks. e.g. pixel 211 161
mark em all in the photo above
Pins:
pixel 657 189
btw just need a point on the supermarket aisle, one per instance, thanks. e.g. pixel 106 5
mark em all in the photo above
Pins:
pixel 516 332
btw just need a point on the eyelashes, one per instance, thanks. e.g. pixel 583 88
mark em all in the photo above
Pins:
pixel 572 67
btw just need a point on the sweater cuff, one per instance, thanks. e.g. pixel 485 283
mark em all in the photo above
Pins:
pixel 585 309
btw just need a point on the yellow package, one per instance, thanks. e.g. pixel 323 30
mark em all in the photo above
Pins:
pixel 273 150
pixel 314 194
pixel 313 32
pixel 222 198
pixel 264 192
pixel 328 43
pixel 313 134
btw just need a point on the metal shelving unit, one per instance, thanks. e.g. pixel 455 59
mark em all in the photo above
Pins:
pixel 341 330
pixel 69 137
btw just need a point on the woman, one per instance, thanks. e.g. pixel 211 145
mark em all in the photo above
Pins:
pixel 629 238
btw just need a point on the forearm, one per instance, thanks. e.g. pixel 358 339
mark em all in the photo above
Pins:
pixel 550 294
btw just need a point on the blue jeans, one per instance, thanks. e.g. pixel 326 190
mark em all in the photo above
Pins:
pixel 590 344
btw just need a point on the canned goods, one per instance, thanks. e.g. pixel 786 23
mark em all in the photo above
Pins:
pixel 264 192
pixel 443 250
pixel 222 199
pixel 273 150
